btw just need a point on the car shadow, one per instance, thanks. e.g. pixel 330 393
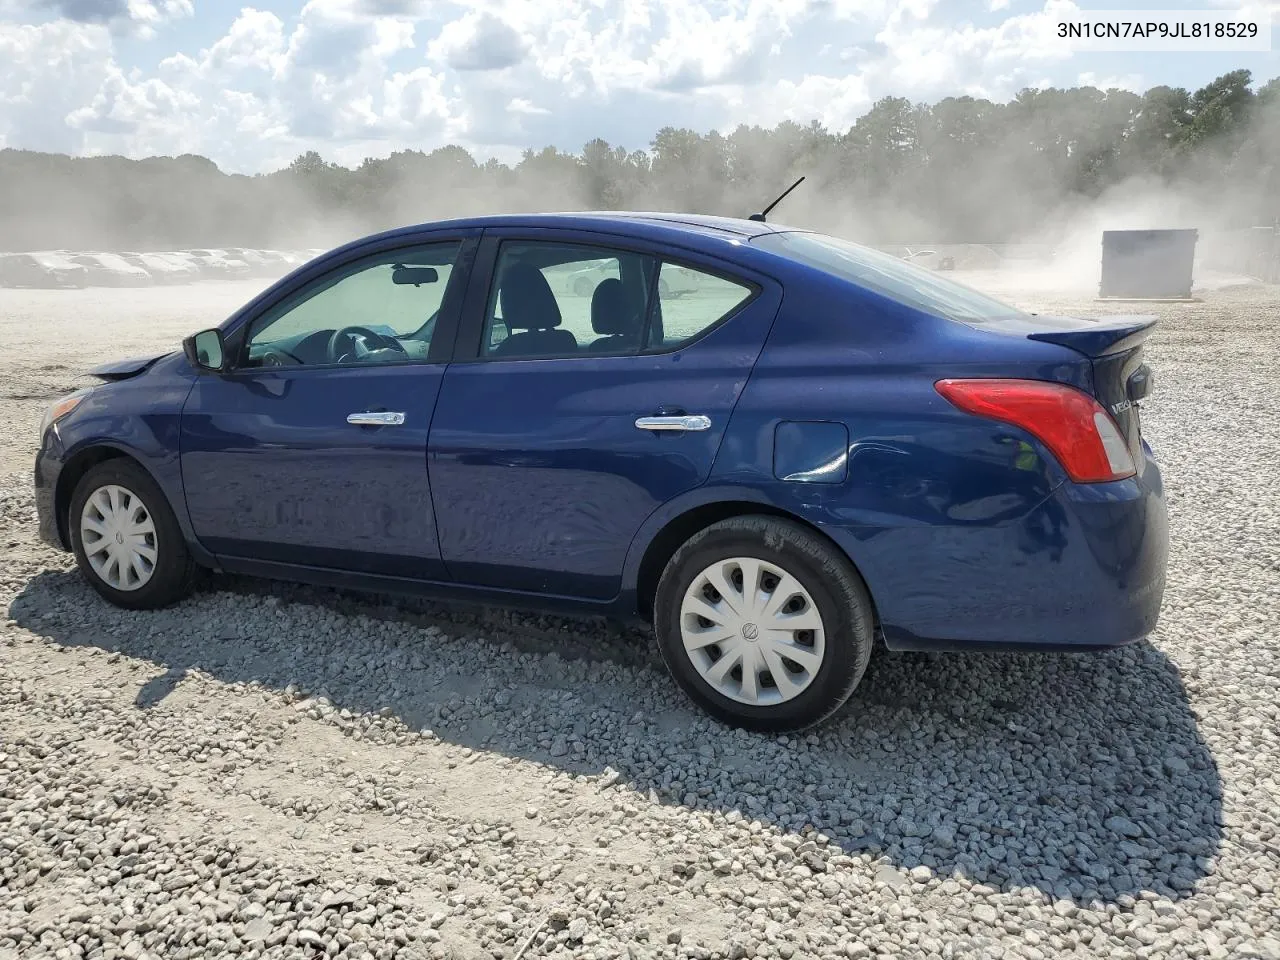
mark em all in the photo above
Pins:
pixel 1081 776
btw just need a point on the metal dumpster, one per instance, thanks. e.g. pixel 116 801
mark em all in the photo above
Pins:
pixel 1147 264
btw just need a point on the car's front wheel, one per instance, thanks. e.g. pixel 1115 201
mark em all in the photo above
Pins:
pixel 127 541
pixel 764 624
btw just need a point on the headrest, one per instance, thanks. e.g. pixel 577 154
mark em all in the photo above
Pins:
pixel 610 313
pixel 526 299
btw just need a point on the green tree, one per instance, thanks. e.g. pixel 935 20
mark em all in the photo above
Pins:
pixel 959 169
pixel 1221 109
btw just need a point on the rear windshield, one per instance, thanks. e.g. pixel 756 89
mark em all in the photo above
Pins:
pixel 905 282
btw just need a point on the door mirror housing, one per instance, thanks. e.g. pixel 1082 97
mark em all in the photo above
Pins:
pixel 206 350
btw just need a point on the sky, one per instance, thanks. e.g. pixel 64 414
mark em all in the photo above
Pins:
pixel 253 86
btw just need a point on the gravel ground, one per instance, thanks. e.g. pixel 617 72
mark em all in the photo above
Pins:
pixel 274 771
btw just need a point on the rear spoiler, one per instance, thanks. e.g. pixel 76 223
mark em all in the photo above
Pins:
pixel 1101 337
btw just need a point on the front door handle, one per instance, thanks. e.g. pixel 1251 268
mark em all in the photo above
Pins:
pixel 681 422
pixel 376 418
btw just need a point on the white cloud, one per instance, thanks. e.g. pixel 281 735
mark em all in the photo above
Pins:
pixel 926 60
pixel 155 12
pixel 255 41
pixel 138 17
pixel 49 70
pixel 1126 81
pixel 330 77
pixel 1247 7
pixel 478 41
pixel 352 78
pixel 520 105
pixel 836 102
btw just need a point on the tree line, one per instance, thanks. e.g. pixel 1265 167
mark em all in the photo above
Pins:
pixel 961 169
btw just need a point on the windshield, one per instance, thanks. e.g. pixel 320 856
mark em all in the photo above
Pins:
pixel 905 282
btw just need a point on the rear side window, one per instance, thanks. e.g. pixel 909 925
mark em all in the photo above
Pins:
pixel 553 300
pixel 691 302
pixel 905 282
pixel 556 300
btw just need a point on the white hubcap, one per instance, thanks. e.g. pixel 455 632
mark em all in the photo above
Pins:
pixel 119 537
pixel 752 631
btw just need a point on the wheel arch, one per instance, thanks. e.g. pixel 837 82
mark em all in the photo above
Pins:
pixel 174 569
pixel 76 466
pixel 678 528
pixel 74 469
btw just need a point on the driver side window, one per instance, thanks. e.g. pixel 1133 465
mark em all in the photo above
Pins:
pixel 380 310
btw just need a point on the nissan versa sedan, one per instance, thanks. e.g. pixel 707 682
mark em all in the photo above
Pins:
pixel 815 449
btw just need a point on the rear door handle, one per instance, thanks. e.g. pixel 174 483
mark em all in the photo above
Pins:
pixel 681 422
pixel 376 418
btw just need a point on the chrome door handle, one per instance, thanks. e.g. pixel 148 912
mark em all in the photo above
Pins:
pixel 376 418
pixel 683 422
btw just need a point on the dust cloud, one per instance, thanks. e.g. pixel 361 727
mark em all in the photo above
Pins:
pixel 904 178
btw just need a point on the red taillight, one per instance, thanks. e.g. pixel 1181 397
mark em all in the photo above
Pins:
pixel 1072 424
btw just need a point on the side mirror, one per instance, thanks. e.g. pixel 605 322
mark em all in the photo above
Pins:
pixel 205 350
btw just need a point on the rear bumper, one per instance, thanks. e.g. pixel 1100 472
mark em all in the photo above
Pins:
pixel 1084 570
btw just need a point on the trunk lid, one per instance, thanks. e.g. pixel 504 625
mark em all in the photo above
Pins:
pixel 1113 346
pixel 1121 377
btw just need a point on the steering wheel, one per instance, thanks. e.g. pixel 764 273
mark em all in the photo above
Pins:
pixel 353 334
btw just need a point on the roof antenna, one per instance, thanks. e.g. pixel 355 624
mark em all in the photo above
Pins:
pixel 760 216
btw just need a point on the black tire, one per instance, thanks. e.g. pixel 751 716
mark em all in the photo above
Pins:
pixel 824 572
pixel 174 572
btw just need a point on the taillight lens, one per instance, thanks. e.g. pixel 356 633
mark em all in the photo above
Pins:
pixel 1072 424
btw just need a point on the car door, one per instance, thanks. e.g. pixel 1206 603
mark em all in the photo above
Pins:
pixel 312 449
pixel 576 412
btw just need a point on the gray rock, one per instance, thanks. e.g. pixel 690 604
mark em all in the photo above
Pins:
pixel 258 929
pixel 309 938
pixel 984 914
pixel 1123 826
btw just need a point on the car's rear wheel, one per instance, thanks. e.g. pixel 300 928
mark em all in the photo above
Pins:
pixel 127 541
pixel 764 624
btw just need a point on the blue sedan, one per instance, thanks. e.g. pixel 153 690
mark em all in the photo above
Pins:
pixel 777 447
